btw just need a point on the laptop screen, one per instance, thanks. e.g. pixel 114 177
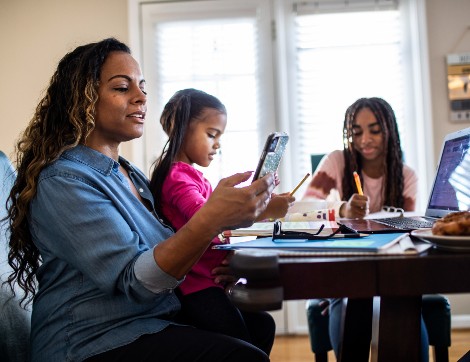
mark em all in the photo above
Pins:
pixel 451 189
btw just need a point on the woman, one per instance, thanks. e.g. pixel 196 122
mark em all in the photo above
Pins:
pixel 372 149
pixel 83 224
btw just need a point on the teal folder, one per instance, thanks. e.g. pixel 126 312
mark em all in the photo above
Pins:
pixel 369 243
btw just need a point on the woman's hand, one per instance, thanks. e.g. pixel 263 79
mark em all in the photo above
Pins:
pixel 231 207
pixel 356 207
pixel 277 206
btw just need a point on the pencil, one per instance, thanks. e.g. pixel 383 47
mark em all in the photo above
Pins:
pixel 300 184
pixel 358 183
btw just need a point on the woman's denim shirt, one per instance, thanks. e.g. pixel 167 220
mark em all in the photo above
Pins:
pixel 99 286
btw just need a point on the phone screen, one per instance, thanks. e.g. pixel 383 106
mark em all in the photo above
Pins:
pixel 272 154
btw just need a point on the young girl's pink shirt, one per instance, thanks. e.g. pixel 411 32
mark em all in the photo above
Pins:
pixel 185 190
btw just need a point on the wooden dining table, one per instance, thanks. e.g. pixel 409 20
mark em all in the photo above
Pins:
pixel 396 284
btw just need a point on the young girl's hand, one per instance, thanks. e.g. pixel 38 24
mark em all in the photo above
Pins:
pixel 277 181
pixel 277 206
pixel 222 272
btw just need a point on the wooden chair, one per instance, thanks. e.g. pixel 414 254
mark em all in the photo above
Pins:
pixel 315 160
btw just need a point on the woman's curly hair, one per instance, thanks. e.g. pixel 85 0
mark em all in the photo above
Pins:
pixel 63 119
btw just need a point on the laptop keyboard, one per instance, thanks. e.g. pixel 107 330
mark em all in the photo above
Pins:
pixel 406 223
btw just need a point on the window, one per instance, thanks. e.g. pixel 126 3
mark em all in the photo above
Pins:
pixel 217 47
pixel 340 57
pixel 287 65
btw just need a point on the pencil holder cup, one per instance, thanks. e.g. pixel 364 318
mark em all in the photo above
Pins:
pixel 315 215
pixel 308 206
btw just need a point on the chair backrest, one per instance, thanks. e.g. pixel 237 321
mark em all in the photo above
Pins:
pixel 15 322
pixel 315 160
pixel 7 177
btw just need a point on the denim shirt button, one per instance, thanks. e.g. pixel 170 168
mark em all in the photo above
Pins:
pixel 141 190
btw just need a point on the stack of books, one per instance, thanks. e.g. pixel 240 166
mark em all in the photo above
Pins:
pixel 338 244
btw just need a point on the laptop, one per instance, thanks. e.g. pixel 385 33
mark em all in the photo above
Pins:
pixel 450 191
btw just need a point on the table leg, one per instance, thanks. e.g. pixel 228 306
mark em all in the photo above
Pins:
pixel 356 329
pixel 396 329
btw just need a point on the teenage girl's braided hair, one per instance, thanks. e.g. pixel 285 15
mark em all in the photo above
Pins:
pixel 63 118
pixel 393 160
pixel 184 107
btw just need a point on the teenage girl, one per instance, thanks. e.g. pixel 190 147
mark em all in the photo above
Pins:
pixel 194 122
pixel 372 148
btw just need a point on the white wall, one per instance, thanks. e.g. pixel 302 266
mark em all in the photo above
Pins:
pixel 34 36
pixel 448 25
pixel 448 32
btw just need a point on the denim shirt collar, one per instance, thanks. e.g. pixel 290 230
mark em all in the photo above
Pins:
pixel 92 158
pixel 106 165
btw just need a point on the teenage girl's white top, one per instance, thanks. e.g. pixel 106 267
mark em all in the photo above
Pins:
pixel 326 184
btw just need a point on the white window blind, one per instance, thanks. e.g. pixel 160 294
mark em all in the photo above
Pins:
pixel 210 47
pixel 343 50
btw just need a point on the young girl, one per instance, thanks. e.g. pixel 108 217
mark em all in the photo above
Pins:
pixel 194 122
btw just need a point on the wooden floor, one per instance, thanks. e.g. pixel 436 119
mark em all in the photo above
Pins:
pixel 297 348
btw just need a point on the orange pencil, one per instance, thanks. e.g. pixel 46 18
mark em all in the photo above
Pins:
pixel 358 183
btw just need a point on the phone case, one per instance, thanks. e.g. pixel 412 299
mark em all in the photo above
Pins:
pixel 271 156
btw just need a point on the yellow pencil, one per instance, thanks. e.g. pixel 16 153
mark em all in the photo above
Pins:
pixel 300 184
pixel 358 183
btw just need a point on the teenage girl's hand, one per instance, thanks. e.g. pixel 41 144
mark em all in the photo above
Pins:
pixel 277 207
pixel 325 304
pixel 356 207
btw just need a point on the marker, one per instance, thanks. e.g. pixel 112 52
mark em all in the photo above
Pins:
pixel 358 183
pixel 300 184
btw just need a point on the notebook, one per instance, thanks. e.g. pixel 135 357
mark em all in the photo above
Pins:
pixel 450 191
pixel 370 244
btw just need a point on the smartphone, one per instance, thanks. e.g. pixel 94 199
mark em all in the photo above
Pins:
pixel 272 154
